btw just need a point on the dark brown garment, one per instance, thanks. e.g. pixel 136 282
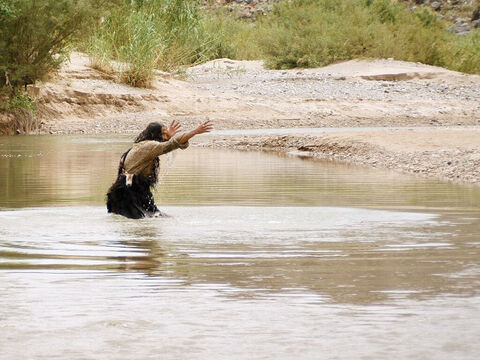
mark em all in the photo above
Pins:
pixel 131 195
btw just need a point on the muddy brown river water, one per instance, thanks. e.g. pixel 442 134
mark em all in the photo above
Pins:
pixel 263 256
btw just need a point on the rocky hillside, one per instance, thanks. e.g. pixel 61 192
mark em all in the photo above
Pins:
pixel 462 15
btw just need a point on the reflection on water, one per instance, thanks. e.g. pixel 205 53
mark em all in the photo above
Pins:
pixel 344 255
pixel 267 255
pixel 45 171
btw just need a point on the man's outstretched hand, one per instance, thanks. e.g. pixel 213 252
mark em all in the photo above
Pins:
pixel 204 127
pixel 174 128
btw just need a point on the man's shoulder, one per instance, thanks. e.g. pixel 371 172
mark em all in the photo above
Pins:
pixel 147 144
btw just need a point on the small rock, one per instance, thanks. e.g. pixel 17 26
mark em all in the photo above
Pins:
pixel 476 14
pixel 461 28
pixel 475 157
pixel 436 5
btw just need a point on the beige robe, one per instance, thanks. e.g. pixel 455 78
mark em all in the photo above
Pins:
pixel 140 158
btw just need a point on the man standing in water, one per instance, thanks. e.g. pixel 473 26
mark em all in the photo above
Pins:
pixel 131 195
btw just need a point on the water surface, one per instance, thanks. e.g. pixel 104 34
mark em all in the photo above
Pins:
pixel 262 256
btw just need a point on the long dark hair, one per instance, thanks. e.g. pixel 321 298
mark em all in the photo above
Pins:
pixel 152 132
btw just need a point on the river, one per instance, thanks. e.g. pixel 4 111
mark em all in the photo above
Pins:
pixel 262 256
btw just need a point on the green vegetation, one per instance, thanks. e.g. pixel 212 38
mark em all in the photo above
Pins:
pixel 17 103
pixel 463 54
pixel 19 113
pixel 35 35
pixel 235 39
pixel 315 33
pixel 141 36
pixel 132 38
pixel 311 33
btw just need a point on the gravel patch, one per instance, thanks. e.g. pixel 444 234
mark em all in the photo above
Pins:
pixel 460 166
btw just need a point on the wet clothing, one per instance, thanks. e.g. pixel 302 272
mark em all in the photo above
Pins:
pixel 142 155
pixel 131 195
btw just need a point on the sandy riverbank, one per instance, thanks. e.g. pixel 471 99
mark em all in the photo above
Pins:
pixel 243 95
pixel 451 154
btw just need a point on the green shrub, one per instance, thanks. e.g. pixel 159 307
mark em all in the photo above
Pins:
pixel 463 54
pixel 142 36
pixel 35 34
pixel 234 38
pixel 314 33
pixel 19 102
pixel 17 113
pixel 310 33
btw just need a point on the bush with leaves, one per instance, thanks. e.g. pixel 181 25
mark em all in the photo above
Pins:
pixel 35 36
pixel 312 33
pixel 145 35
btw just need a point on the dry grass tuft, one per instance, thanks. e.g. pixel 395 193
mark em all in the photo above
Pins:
pixel 21 122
